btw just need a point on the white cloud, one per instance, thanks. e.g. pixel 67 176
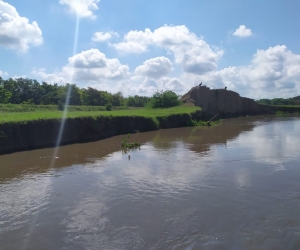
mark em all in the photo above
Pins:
pixel 3 73
pixel 272 73
pixel 173 84
pixel 191 52
pixel 242 31
pixel 89 59
pixel 155 67
pixel 130 47
pixel 88 67
pixel 15 31
pixel 82 8
pixel 135 42
pixel 56 77
pixel 103 36
pixel 148 87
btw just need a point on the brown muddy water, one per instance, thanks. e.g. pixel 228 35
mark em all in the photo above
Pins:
pixel 234 186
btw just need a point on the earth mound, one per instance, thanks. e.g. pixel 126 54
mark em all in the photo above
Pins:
pixel 225 102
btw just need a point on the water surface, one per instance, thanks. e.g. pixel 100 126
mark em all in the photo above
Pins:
pixel 234 186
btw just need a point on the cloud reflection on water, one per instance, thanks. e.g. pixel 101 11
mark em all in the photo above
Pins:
pixel 182 180
pixel 272 142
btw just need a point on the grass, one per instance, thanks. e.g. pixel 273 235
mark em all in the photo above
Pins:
pixel 127 145
pixel 6 117
pixel 282 113
pixel 287 106
pixel 11 108
pixel 8 108
pixel 194 123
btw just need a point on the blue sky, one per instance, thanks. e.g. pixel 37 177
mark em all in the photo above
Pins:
pixel 137 46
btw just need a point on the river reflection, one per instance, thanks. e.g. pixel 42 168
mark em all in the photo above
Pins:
pixel 233 186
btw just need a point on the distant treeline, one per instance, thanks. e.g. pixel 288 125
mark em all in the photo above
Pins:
pixel 281 101
pixel 28 91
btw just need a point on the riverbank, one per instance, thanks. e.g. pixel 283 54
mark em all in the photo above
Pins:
pixel 32 130
pixel 21 131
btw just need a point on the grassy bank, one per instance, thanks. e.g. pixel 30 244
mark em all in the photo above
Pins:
pixel 282 113
pixel 12 108
pixel 7 117
pixel 32 130
pixel 287 106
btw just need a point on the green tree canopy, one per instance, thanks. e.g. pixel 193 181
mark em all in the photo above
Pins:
pixel 164 99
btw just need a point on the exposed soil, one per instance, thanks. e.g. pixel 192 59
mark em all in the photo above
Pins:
pixel 225 102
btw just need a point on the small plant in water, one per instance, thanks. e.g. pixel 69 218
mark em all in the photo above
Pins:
pixel 126 144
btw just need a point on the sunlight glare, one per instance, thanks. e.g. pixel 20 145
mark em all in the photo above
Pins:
pixel 65 111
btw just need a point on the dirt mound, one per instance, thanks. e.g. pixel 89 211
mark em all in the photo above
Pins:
pixel 225 102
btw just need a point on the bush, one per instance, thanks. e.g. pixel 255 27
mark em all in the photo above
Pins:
pixel 164 99
pixel 60 106
pixel 108 107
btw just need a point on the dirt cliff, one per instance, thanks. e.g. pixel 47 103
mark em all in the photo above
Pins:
pixel 224 102
pixel 43 133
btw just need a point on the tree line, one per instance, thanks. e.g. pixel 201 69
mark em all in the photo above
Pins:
pixel 281 101
pixel 28 91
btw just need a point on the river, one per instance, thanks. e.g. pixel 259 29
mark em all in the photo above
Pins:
pixel 233 186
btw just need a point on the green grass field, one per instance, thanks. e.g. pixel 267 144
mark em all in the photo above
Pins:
pixel 37 114
pixel 10 108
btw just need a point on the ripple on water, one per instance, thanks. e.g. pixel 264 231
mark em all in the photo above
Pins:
pixel 233 188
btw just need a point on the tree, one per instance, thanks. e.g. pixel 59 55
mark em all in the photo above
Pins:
pixel 50 94
pixel 164 99
pixel 106 98
pixel 137 101
pixel 29 91
pixel 91 96
pixel 24 89
pixel 4 95
pixel 118 99
pixel 10 85
pixel 75 94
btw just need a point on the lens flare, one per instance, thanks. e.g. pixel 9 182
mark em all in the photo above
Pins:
pixel 69 89
pixel 61 129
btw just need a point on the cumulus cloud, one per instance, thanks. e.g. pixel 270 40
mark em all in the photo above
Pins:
pixel 173 84
pixel 155 67
pixel 135 42
pixel 272 72
pixel 242 31
pixel 191 52
pixel 87 67
pixel 56 77
pixel 148 87
pixel 82 8
pixel 103 36
pixel 15 31
pixel 89 59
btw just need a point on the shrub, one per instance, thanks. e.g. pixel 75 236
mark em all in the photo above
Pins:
pixel 108 107
pixel 164 99
pixel 60 106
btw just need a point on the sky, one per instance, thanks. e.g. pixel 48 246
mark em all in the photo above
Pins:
pixel 139 47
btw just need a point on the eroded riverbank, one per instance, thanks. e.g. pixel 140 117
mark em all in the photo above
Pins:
pixel 19 136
